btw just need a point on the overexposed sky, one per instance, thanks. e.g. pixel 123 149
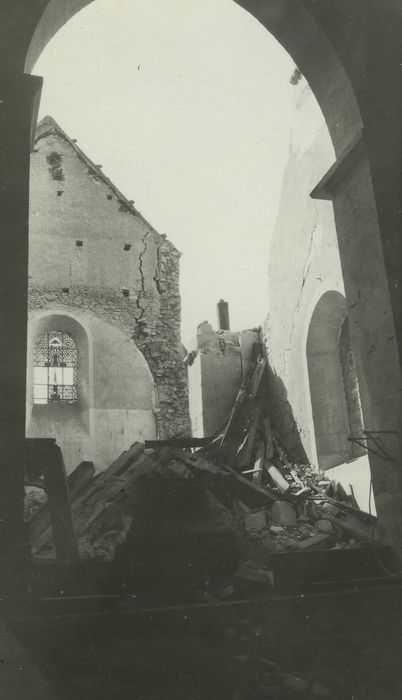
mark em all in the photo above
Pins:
pixel 187 105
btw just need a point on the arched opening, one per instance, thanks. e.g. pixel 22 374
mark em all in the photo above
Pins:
pixel 82 390
pixel 291 24
pixel 55 368
pixel 274 19
pixel 334 93
pixel 334 389
pixel 59 377
pixel 306 36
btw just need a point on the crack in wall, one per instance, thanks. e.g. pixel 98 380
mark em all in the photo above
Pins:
pixel 156 276
pixel 305 273
pixel 141 293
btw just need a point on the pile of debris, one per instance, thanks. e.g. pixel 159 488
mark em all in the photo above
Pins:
pixel 209 513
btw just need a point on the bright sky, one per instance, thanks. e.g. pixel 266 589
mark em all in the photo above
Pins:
pixel 186 104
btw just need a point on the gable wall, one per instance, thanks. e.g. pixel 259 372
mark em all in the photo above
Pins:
pixel 90 279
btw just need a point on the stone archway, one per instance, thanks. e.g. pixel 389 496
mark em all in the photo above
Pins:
pixel 290 23
pixel 345 68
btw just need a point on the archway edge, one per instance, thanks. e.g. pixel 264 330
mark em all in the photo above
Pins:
pixel 295 29
pixel 330 418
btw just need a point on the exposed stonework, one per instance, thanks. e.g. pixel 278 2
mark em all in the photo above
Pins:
pixel 93 255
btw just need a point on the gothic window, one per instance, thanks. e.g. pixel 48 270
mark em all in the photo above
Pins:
pixel 55 368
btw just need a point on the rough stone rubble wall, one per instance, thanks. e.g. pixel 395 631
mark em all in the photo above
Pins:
pixel 155 329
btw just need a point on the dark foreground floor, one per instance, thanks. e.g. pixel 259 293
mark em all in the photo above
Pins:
pixel 330 628
pixel 342 645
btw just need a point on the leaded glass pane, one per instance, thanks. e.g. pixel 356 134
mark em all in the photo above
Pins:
pixel 40 375
pixel 55 368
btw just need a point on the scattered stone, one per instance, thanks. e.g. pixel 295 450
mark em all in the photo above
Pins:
pixel 277 529
pixel 330 509
pixel 284 514
pixel 255 521
pixel 312 511
pixel 325 526
pixel 329 527
pixel 35 498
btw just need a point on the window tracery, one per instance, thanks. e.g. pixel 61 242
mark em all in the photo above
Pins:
pixel 55 368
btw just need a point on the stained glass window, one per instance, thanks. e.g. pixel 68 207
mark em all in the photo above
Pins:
pixel 55 368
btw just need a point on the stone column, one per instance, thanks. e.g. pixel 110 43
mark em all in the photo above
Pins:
pixel 19 98
pixel 377 348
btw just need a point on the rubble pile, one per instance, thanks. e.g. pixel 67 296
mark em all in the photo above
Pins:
pixel 209 513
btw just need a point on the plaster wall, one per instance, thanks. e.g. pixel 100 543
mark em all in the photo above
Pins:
pixel 221 360
pixel 70 203
pixel 116 396
pixel 304 264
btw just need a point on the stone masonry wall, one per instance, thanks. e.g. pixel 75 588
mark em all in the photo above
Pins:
pixel 90 249
pixel 304 264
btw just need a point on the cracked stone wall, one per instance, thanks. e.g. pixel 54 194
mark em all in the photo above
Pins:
pixel 91 252
pixel 304 263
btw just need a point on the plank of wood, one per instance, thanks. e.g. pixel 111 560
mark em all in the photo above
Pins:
pixel 278 479
pixel 186 443
pixel 59 505
pixel 244 490
pixel 257 376
pixel 84 488
pixel 124 460
pixel 120 504
pixel 244 459
pixel 269 445
pixel 367 517
pixel 40 527
pixel 80 477
pixel 243 415
pixel 108 479
pixel 250 492
pixel 241 395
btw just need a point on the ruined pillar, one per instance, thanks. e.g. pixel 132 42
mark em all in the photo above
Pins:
pixel 19 97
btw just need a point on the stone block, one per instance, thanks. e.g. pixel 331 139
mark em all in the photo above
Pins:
pixel 324 526
pixel 283 514
pixel 255 521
